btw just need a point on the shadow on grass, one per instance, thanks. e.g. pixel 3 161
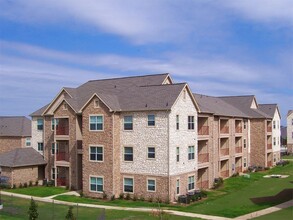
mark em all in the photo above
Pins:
pixel 283 196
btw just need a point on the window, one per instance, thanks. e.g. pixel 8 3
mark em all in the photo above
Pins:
pixel 278 124
pixel 177 154
pixel 53 148
pixel 40 146
pixel 28 142
pixel 274 124
pixel 275 158
pixel 96 184
pixel 53 173
pixel 292 121
pixel 190 122
pixel 151 120
pixel 96 153
pixel 190 152
pixel 245 124
pixel 191 183
pixel 40 124
pixel 177 186
pixel 151 185
pixel 177 122
pixel 128 185
pixel 244 143
pixel 128 123
pixel 53 124
pixel 96 103
pixel 244 162
pixel 128 153
pixel 274 141
pixel 65 107
pixel 96 123
pixel 151 153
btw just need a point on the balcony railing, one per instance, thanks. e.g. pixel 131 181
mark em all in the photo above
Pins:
pixel 238 169
pixel 61 181
pixel 224 151
pixel 225 173
pixel 62 156
pixel 203 158
pixel 62 130
pixel 269 129
pixel 204 184
pixel 224 130
pixel 269 146
pixel 203 130
pixel 238 149
pixel 269 163
pixel 238 129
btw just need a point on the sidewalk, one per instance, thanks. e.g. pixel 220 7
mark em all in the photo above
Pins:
pixel 50 199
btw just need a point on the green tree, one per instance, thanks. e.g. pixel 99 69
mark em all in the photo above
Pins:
pixel 33 210
pixel 69 214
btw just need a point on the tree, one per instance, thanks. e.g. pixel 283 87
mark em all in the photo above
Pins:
pixel 33 210
pixel 69 214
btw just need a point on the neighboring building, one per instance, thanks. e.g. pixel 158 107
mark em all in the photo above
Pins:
pixel 290 131
pixel 15 132
pixel 261 147
pixel 273 111
pixel 132 135
pixel 22 165
pixel 223 140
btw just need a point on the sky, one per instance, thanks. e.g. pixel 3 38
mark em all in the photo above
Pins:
pixel 219 48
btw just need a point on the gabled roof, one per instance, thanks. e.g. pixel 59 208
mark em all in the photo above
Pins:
pixel 269 109
pixel 39 112
pixel 243 103
pixel 289 112
pixel 217 106
pixel 16 126
pixel 21 157
pixel 137 93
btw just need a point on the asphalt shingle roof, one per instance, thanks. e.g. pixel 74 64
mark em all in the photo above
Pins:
pixel 21 157
pixel 16 126
pixel 269 109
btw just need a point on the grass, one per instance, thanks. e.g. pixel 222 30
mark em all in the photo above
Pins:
pixel 288 157
pixel 16 209
pixel 40 191
pixel 282 214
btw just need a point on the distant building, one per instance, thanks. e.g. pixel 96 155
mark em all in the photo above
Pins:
pixel 290 131
pixel 15 132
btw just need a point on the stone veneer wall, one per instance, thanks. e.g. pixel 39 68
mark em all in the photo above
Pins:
pixel 37 136
pixel 258 142
pixel 103 138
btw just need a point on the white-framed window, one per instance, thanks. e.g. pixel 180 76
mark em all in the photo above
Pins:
pixel 244 143
pixel 53 173
pixel 128 153
pixel 151 152
pixel 151 187
pixel 96 123
pixel 274 142
pixel 128 122
pixel 177 154
pixel 28 142
pixel 151 120
pixel 40 146
pixel 53 124
pixel 244 162
pixel 96 153
pixel 96 184
pixel 274 124
pixel 190 122
pixel 54 148
pixel 177 186
pixel 128 183
pixel 190 152
pixel 177 122
pixel 191 183
pixel 96 103
pixel 40 124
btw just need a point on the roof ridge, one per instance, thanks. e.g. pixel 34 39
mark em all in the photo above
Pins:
pixel 127 77
pixel 235 96
pixel 174 84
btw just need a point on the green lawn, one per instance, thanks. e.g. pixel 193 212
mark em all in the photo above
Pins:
pixel 16 209
pixel 287 157
pixel 40 191
pixel 283 214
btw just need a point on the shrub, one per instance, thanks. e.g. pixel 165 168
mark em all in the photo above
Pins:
pixel 81 194
pixel 204 193
pixel 14 186
pixel 36 183
pixel 121 196
pixel 235 174
pixel 127 197
pixel 20 185
pixel 25 185
pixel 112 197
pixel 105 196
pixel 282 163
pixel 30 183
pixel 218 182
pixel 134 197
pixel 150 199
pixel 69 214
pixel 33 210
pixel 158 200
pixel 267 168
pixel 167 200
pixel 142 198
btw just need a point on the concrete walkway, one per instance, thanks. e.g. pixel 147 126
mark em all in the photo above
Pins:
pixel 50 199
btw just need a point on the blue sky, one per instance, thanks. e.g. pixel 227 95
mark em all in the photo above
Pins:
pixel 220 48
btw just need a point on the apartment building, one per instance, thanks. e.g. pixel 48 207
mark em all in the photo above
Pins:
pixel 15 132
pixel 223 140
pixel 290 131
pixel 261 140
pixel 134 135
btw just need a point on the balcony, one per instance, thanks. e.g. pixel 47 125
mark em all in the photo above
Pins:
pixel 238 149
pixel 225 173
pixel 269 146
pixel 238 169
pixel 238 129
pixel 62 156
pixel 269 163
pixel 224 151
pixel 61 181
pixel 203 158
pixel 224 130
pixel 269 129
pixel 204 184
pixel 62 130
pixel 203 130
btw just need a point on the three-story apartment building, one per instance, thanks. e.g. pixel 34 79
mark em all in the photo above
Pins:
pixel 290 131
